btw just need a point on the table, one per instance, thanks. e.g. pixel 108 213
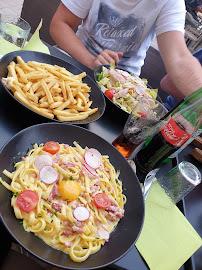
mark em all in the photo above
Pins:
pixel 14 118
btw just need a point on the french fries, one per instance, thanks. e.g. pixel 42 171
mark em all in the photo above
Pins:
pixel 51 91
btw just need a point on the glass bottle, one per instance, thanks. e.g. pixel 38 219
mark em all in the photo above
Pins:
pixel 177 130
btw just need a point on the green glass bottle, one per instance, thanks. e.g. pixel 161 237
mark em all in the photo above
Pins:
pixel 190 99
pixel 174 134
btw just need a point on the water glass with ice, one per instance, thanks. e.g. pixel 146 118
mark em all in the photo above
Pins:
pixel 13 31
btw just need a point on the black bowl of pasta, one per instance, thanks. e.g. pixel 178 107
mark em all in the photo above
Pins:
pixel 51 88
pixel 78 230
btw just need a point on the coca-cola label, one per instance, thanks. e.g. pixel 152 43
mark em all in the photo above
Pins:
pixel 173 134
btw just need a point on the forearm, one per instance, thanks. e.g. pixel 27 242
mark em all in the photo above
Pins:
pixel 186 74
pixel 62 34
pixel 184 69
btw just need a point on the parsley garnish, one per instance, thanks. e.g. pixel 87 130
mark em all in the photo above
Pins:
pixel 117 182
pixel 71 178
pixel 15 194
pixel 55 213
pixel 18 153
pixel 56 238
pixel 59 195
pixel 45 228
pixel 39 216
pixel 75 224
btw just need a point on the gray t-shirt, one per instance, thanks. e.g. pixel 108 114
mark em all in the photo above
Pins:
pixel 128 26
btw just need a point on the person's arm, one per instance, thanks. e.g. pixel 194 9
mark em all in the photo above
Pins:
pixel 184 69
pixel 62 27
pixel 168 86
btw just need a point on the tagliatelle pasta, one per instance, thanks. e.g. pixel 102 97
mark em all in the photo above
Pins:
pixel 57 217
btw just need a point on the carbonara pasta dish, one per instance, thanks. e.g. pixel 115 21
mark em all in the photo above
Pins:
pixel 71 197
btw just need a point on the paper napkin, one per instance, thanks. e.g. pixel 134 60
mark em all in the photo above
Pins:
pixel 34 44
pixel 167 239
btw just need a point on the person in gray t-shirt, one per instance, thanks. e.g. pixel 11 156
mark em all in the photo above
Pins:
pixel 122 31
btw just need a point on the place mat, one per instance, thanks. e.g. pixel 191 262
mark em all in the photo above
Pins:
pixel 167 239
pixel 34 44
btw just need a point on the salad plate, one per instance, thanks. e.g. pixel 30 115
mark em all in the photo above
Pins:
pixel 122 88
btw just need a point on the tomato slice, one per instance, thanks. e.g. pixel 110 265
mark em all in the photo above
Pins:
pixel 27 200
pixel 102 200
pixel 109 93
pixel 51 147
pixel 143 115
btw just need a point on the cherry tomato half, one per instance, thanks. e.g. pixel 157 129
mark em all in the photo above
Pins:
pixel 109 93
pixel 143 115
pixel 102 200
pixel 51 147
pixel 27 200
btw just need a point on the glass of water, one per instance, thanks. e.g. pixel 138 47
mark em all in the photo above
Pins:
pixel 13 31
pixel 180 180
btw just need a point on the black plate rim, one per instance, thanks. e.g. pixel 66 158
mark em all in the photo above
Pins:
pixel 52 263
pixel 79 122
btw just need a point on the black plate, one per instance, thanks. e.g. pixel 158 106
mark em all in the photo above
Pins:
pixel 98 69
pixel 96 94
pixel 129 227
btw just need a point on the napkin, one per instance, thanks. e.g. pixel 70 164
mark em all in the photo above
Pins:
pixel 167 239
pixel 34 44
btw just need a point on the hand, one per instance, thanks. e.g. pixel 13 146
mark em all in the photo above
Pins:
pixel 105 57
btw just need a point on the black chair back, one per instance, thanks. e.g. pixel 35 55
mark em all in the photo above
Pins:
pixel 33 11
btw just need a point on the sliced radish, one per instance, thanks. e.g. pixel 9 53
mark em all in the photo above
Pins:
pixel 114 90
pixel 140 90
pixel 81 213
pixel 42 161
pixel 90 170
pixel 93 158
pixel 48 174
pixel 103 233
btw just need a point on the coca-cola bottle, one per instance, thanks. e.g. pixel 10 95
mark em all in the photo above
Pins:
pixel 173 134
pixel 187 101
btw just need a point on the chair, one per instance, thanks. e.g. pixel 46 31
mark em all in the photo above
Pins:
pixel 33 11
pixel 154 70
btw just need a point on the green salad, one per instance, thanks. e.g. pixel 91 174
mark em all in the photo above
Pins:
pixel 122 87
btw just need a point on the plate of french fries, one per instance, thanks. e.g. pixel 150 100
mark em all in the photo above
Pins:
pixel 51 87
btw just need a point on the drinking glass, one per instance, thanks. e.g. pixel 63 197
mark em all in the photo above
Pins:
pixel 180 180
pixel 143 122
pixel 13 31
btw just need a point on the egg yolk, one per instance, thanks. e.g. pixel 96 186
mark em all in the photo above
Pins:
pixel 70 190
